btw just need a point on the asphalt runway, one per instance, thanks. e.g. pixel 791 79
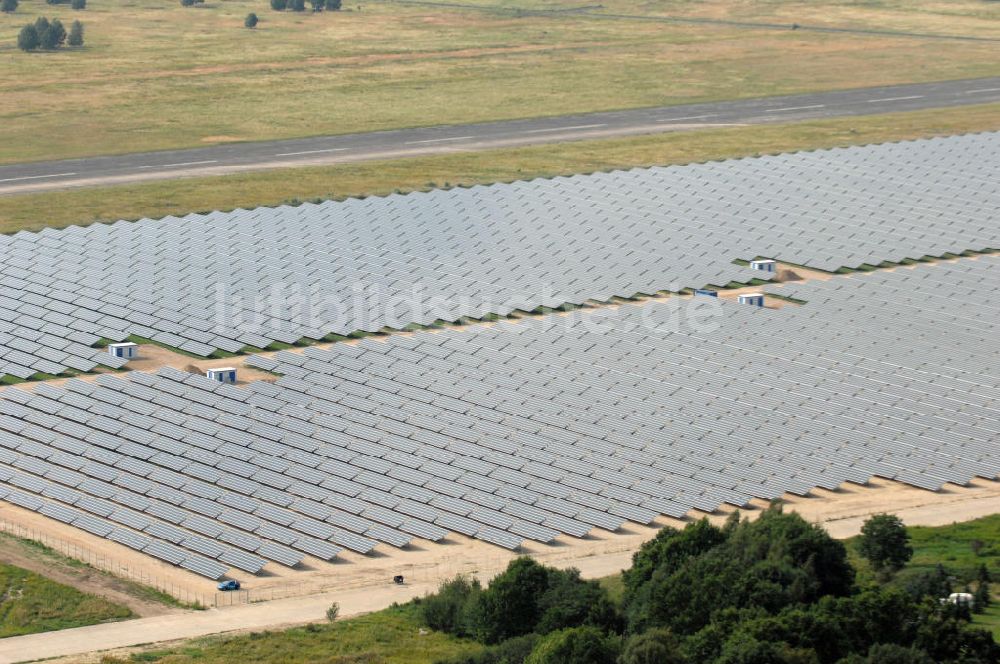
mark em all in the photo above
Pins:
pixel 422 141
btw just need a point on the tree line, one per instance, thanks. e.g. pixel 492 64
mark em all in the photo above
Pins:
pixel 48 35
pixel 10 6
pixel 777 590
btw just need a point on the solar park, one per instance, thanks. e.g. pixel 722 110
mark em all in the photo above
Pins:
pixel 249 278
pixel 543 429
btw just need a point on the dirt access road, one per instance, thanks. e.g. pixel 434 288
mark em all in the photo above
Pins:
pixel 842 512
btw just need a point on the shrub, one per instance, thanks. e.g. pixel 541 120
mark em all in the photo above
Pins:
pixel 27 39
pixel 333 5
pixel 297 5
pixel 279 5
pixel 657 646
pixel 579 645
pixel 8 6
pixel 78 4
pixel 446 611
pixel 333 612
pixel 317 5
pixel 251 21
pixel 885 543
pixel 76 34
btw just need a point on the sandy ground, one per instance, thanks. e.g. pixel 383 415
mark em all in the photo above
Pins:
pixel 363 583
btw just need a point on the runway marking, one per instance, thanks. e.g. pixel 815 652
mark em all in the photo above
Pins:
pixel 438 140
pixel 794 108
pixel 874 101
pixel 972 92
pixel 38 177
pixel 688 117
pixel 292 154
pixel 183 163
pixel 590 126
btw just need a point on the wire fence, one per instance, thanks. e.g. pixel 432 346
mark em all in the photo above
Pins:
pixel 105 563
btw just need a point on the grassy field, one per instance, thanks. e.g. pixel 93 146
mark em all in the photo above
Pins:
pixel 159 75
pixel 30 603
pixel 961 548
pixel 177 197
pixel 391 636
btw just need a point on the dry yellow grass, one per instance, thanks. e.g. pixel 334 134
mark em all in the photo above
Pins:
pixel 35 211
pixel 158 75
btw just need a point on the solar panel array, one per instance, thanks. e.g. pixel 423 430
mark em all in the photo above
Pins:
pixel 525 430
pixel 224 281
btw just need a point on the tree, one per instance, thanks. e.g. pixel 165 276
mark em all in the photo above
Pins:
pixel 52 37
pixel 669 549
pixel 78 4
pixel 251 21
pixel 76 34
pixel 27 39
pixel 297 5
pixel 579 645
pixel 446 610
pixel 656 646
pixel 509 606
pixel 8 6
pixel 333 612
pixel 333 5
pixel 766 565
pixel 885 543
pixel 41 27
pixel 317 5
pixel 279 5
pixel 982 596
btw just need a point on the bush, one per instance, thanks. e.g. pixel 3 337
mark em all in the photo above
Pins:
pixel 446 611
pixel 8 6
pixel 333 5
pixel 78 4
pixel 528 597
pixel 579 645
pixel 509 606
pixel 279 5
pixel 657 646
pixel 76 34
pixel 297 5
pixel 251 21
pixel 885 543
pixel 333 612
pixel 27 39
pixel 317 5
pixel 511 651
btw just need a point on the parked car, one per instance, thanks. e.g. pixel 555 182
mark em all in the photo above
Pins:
pixel 232 584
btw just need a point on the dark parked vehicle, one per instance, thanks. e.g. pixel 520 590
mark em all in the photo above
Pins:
pixel 229 585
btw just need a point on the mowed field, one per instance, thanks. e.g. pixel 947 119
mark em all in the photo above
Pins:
pixel 159 75
pixel 33 212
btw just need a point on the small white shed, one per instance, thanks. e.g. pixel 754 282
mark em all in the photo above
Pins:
pixel 753 299
pixel 222 375
pixel 765 264
pixel 126 350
